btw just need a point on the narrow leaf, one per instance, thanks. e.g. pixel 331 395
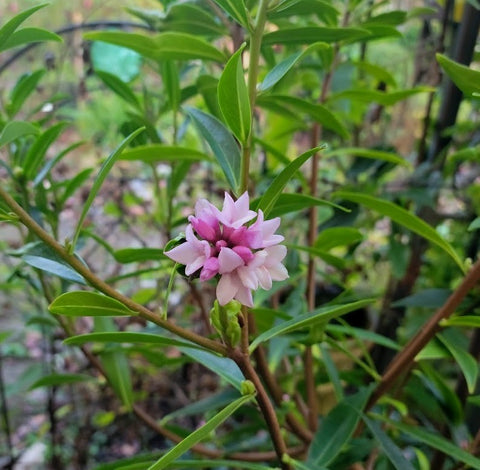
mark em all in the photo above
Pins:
pixel 54 380
pixel 53 266
pixel 321 315
pixel 16 129
pixel 466 79
pixel 119 87
pixel 283 67
pixel 236 9
pixel 470 321
pixel 28 36
pixel 10 26
pixel 333 260
pixel 126 337
pixel 223 366
pixel 164 46
pixel 199 434
pixel 436 441
pixel 337 428
pixel 37 151
pixel 102 174
pixel 337 236
pixel 370 153
pixel 404 218
pixel 22 90
pixel 311 34
pixel 390 449
pixel 233 97
pixel 221 142
pixel 289 202
pixel 134 255
pixel 154 153
pixel 318 112
pixel 85 303
pixel 269 198
pixel 465 361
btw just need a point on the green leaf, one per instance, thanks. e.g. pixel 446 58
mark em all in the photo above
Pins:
pixel 115 364
pixel 163 46
pixel 311 34
pixel 380 31
pixel 119 87
pixel 190 18
pixel 171 82
pixel 289 202
pixel 335 261
pixel 42 174
pixel 283 67
pixel 474 225
pixel 223 366
pixel 140 462
pixel 16 129
pixel 269 198
pixel 466 79
pixel 10 26
pixel 40 256
pixel 236 9
pixel 199 434
pixel 37 151
pixel 470 321
pixel 233 97
pixel 369 153
pixel 381 97
pixel 28 36
pixel 434 440
pixel 73 184
pixel 465 361
pixel 318 112
pixel 324 10
pixel 102 174
pixel 134 255
pixel 337 236
pixel 427 298
pixel 154 153
pixel 126 337
pixel 337 428
pixel 363 335
pixel 381 74
pixel 88 304
pixel 221 142
pixel 208 404
pixel 54 380
pixel 390 449
pixel 404 218
pixel 321 315
pixel 22 90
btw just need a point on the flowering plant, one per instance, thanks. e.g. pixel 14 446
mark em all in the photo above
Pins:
pixel 244 256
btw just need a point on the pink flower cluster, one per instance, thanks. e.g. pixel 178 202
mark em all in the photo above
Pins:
pixel 244 256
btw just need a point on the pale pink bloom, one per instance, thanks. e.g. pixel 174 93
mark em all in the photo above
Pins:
pixel 193 253
pixel 245 257
pixel 236 213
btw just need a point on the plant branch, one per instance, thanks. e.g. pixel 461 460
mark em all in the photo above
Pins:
pixel 268 411
pixel 406 357
pixel 253 65
pixel 102 286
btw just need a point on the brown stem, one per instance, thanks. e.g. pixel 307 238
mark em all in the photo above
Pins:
pixel 406 357
pixel 102 286
pixel 243 362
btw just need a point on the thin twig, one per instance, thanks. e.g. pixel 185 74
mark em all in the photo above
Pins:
pixel 406 357
pixel 102 286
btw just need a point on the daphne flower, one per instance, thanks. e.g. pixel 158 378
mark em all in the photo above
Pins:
pixel 244 257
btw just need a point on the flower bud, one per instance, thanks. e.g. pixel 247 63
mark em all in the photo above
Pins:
pixel 224 320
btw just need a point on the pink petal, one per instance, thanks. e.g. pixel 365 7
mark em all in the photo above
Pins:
pixel 275 254
pixel 194 265
pixel 210 269
pixel 278 272
pixel 227 288
pixel 228 260
pixel 264 278
pixel 183 254
pixel 244 296
pixel 248 277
